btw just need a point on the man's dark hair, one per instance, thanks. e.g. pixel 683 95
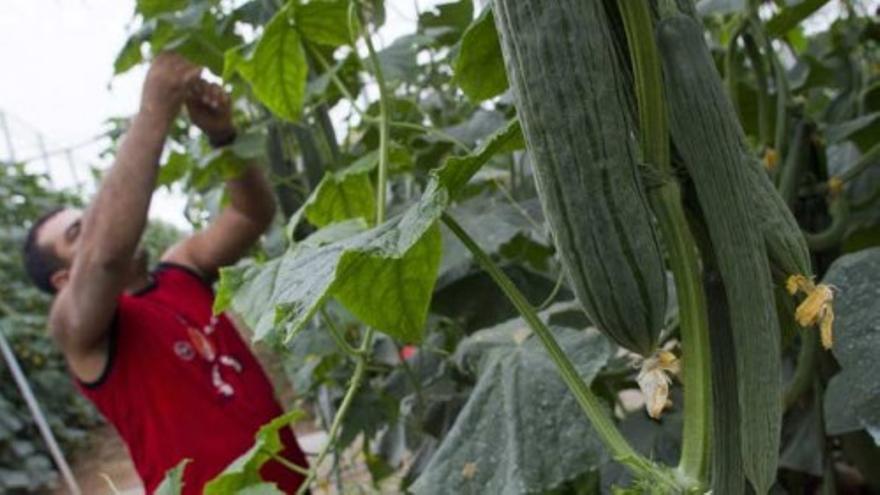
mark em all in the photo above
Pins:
pixel 41 262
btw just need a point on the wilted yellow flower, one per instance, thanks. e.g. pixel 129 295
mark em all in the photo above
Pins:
pixel 654 379
pixel 797 283
pixel 835 186
pixel 771 159
pixel 816 308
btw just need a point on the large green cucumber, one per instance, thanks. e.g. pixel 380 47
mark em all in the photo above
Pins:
pixel 708 136
pixel 571 94
pixel 784 239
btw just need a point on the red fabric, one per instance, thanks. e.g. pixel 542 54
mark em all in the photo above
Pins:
pixel 161 389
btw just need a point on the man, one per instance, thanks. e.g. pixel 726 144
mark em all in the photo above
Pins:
pixel 176 382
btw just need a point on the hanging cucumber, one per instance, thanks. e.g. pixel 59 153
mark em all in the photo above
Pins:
pixel 570 85
pixel 708 136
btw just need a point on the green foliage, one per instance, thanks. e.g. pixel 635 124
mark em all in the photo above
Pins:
pixel 518 417
pixel 275 67
pixel 173 482
pixel 244 472
pixel 24 460
pixel 341 196
pixel 852 401
pixel 479 68
pixel 448 405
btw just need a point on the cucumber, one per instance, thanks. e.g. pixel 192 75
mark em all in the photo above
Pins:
pixel 785 243
pixel 710 140
pixel 570 82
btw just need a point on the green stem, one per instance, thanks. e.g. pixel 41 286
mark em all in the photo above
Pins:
pixel 831 236
pixel 553 293
pixel 754 55
pixel 782 90
pixel 287 464
pixel 694 331
pixel 872 157
pixel 794 164
pixel 428 130
pixel 601 421
pixel 731 69
pixel 805 369
pixel 337 335
pixel 384 129
pixel 683 255
pixel 354 385
pixel 367 343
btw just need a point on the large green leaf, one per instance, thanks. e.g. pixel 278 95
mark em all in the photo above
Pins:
pixel 852 400
pixel 384 275
pixel 341 196
pixel 173 482
pixel 792 15
pixel 479 67
pixel 244 472
pixel 323 22
pixel 521 431
pixel 276 68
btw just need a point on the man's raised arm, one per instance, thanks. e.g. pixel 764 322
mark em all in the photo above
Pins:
pixel 251 204
pixel 112 225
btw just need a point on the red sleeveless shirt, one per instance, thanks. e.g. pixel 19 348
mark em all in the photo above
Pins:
pixel 181 384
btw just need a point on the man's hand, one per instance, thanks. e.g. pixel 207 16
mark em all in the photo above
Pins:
pixel 167 84
pixel 209 108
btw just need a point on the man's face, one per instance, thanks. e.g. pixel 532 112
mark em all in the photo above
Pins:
pixel 61 234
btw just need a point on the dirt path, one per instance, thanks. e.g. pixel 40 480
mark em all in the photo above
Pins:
pixel 105 460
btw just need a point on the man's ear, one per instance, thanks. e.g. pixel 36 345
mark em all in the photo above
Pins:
pixel 60 278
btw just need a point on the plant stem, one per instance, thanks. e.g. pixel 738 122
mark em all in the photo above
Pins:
pixel 694 331
pixel 337 335
pixel 793 165
pixel 287 464
pixel 805 369
pixel 833 234
pixel 356 379
pixel 683 255
pixel 601 421
pixel 382 181
pixel 871 157
pixel 754 55
pixel 363 352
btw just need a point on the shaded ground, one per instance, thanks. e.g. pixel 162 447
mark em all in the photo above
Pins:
pixel 103 468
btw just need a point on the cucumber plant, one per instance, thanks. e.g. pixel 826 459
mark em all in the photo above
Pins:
pixel 500 190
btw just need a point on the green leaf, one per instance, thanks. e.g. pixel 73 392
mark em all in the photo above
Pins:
pixel 445 22
pixel 129 56
pixel 717 7
pixel 520 430
pixel 791 16
pixel 398 60
pixel 244 472
pixel 173 482
pixel 852 400
pixel 384 276
pixel 177 166
pixel 152 8
pixel 864 131
pixel 341 196
pixel 479 66
pixel 276 69
pixel 323 22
